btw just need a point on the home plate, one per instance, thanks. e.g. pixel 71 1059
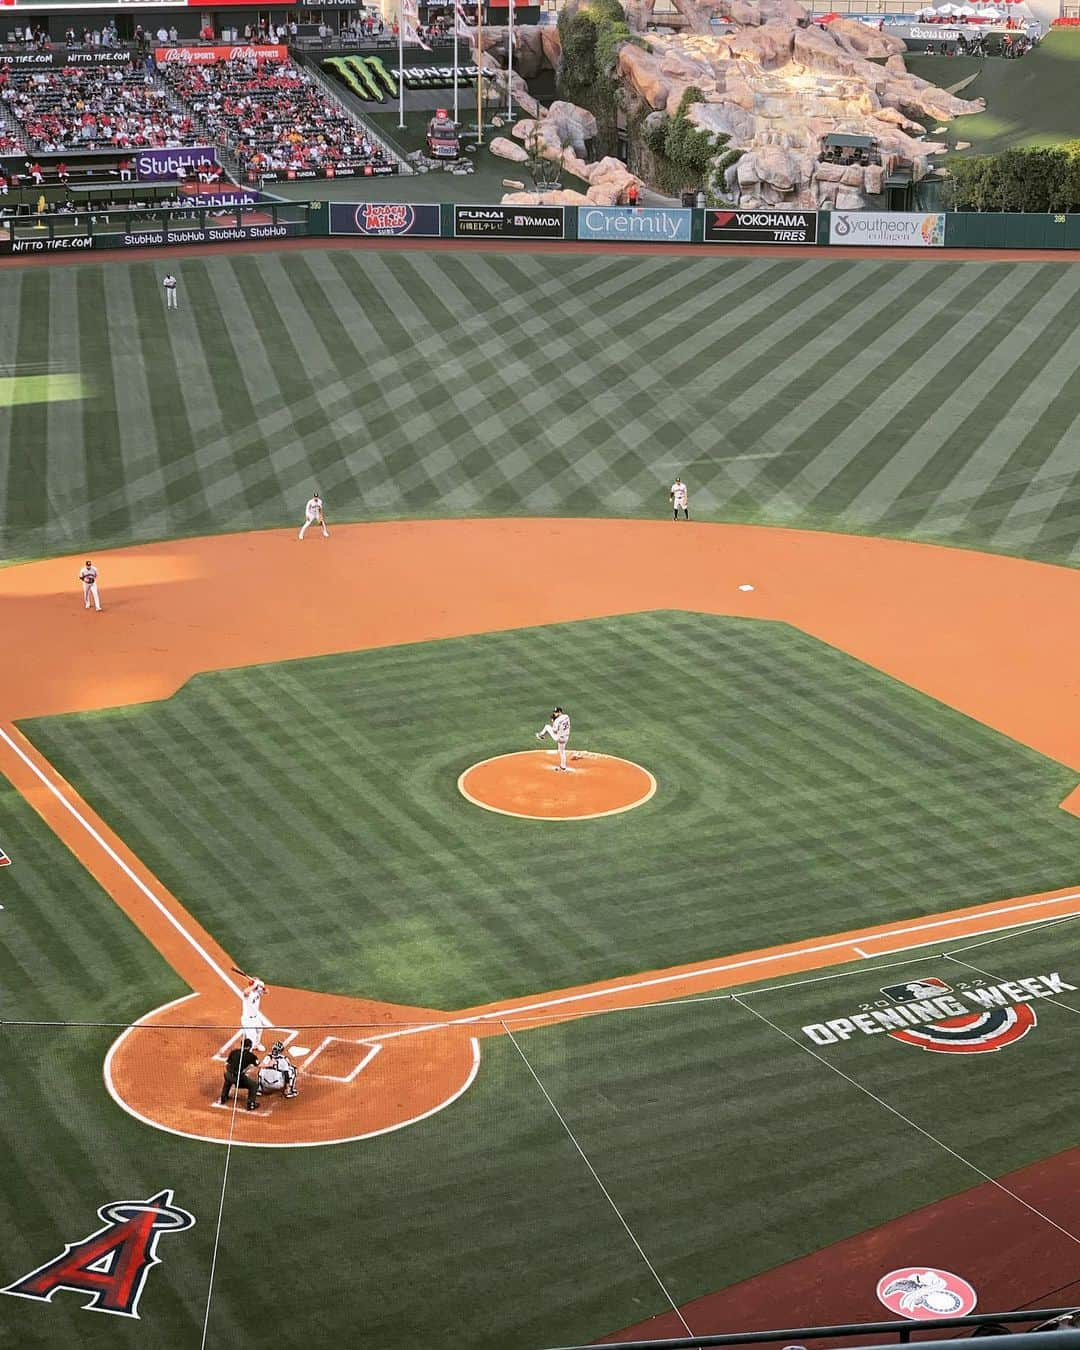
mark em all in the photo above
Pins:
pixel 299 1049
pixel 746 586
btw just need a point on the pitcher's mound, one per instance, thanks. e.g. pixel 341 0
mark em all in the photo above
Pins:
pixel 529 784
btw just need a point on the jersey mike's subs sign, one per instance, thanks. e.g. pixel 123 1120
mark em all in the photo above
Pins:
pixel 760 227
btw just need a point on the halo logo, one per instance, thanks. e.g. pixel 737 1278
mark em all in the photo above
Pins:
pixel 921 1294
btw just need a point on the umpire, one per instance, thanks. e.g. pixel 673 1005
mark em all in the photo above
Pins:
pixel 236 1074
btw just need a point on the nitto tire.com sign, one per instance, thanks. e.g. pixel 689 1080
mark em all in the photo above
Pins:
pixel 760 227
pixel 888 229
pixel 509 222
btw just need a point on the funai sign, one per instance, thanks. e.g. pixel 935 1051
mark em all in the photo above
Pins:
pixel 652 224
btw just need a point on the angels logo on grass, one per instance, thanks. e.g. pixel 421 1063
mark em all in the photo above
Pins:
pixel 111 1265
pixel 973 1017
pixel 921 1294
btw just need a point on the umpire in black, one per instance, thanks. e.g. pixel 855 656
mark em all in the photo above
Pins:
pixel 237 1065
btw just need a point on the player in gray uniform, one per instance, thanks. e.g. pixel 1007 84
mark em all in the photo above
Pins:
pixel 559 731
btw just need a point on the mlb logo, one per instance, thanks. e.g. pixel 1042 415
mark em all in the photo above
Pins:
pixel 916 989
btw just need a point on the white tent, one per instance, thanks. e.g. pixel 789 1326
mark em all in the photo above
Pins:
pixel 989 12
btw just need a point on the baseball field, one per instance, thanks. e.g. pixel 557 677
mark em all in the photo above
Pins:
pixel 772 995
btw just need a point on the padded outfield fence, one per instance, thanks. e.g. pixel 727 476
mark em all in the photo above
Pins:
pixel 127 227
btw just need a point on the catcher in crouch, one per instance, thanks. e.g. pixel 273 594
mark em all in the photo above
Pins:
pixel 559 731
pixel 278 1074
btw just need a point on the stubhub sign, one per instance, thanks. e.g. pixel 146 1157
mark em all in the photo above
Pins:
pixel 150 164
pixel 650 224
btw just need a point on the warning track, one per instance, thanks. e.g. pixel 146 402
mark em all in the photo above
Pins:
pixel 991 636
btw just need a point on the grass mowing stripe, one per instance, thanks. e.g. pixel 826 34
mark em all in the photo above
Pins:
pixel 28 446
pixel 914 383
pixel 949 437
pixel 109 508
pixel 250 468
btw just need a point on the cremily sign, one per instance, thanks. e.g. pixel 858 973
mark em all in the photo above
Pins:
pixel 650 224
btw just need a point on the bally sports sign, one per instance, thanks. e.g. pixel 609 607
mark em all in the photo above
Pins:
pixel 970 1018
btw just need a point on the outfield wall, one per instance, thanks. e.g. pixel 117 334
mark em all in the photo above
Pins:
pixel 620 225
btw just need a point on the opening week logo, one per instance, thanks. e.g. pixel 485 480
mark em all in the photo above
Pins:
pixel 972 1017
pixel 109 1268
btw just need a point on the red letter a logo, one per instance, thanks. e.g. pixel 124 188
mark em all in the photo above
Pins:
pixel 111 1265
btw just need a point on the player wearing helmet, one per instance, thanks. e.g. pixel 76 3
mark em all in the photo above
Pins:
pixel 278 1074
pixel 559 731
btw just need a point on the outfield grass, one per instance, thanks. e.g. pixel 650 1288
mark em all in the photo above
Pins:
pixel 307 813
pixel 916 399
pixel 1032 101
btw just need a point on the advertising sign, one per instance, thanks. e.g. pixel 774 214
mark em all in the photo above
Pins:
pixel 78 243
pixel 331 171
pixel 384 219
pixel 510 222
pixel 760 227
pixel 159 164
pixel 102 57
pixel 651 224
pixel 888 229
pixel 210 56
pixel 935 34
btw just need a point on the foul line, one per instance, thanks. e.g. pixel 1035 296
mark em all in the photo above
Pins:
pixel 596 1177
pixel 111 852
pixel 608 991
pixel 907 1120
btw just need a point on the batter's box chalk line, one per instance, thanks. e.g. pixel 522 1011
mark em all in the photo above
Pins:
pixel 269 1033
pixel 371 1049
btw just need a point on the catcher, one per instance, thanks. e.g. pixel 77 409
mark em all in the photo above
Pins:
pixel 278 1074
pixel 559 731
pixel 314 515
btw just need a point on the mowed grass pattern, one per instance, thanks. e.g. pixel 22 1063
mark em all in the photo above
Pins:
pixel 922 399
pixel 308 815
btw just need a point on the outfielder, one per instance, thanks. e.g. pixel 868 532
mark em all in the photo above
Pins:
pixel 170 291
pixel 313 514
pixel 88 576
pixel 251 1019
pixel 559 731
pixel 679 500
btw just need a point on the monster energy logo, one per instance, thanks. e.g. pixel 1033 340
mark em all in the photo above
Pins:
pixel 370 79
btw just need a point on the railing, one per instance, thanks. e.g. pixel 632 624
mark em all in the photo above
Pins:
pixel 903 1331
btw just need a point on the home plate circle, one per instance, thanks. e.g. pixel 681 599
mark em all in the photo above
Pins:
pixel 529 784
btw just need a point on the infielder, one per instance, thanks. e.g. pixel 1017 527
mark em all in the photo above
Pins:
pixel 251 1019
pixel 679 500
pixel 169 284
pixel 313 514
pixel 559 731
pixel 88 576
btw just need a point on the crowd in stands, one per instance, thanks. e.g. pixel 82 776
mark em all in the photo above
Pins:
pixel 272 116
pixel 93 108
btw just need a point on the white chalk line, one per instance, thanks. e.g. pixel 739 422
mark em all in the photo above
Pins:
pixel 630 986
pixel 946 1148
pixel 115 857
pixel 596 1177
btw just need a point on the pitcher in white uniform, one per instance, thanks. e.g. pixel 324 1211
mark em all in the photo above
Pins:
pixel 559 731
pixel 314 515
